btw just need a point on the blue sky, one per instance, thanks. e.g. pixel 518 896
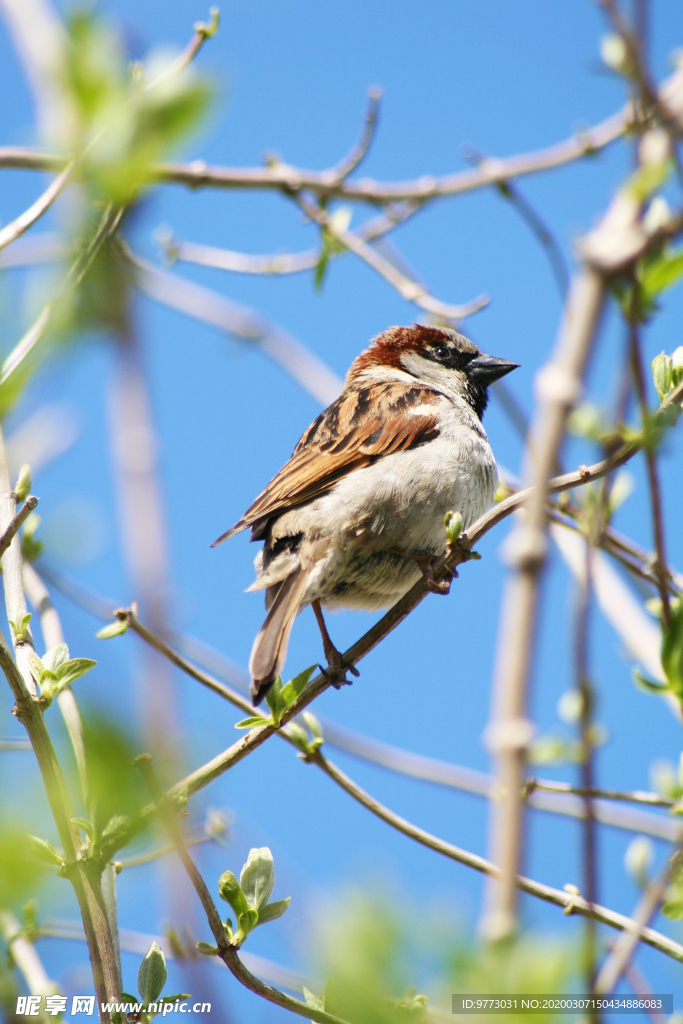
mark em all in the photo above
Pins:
pixel 291 77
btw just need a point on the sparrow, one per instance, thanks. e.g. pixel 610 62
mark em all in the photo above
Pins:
pixel 357 514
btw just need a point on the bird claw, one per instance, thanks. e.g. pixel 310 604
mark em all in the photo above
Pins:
pixel 436 586
pixel 337 668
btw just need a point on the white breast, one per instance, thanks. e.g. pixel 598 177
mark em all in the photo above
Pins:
pixel 401 500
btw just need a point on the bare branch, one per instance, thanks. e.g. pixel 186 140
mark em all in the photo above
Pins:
pixel 17 227
pixel 442 773
pixel 358 153
pixel 407 288
pixel 571 902
pixel 534 221
pixel 138 942
pixel 635 796
pixel 615 245
pixel 226 951
pixel 278 263
pixel 202 32
pixel 198 174
pixel 626 944
pixel 18 521
pixel 240 321
pixel 659 567
pixel 23 954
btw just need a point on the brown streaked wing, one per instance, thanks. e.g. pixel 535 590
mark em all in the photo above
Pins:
pixel 351 433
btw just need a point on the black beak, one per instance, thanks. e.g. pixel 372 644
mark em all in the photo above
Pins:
pixel 487 369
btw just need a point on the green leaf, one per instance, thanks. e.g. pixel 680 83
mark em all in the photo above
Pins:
pixel 20 625
pixel 314 725
pixel 84 826
pixel 56 657
pixel 322 265
pixel 246 923
pixel 662 373
pixel 272 911
pixel 258 877
pixel 72 670
pixel 117 628
pixel 152 974
pixel 649 685
pixel 672 652
pixel 229 889
pixel 22 487
pixel 311 1000
pixel 251 723
pixel 454 524
pixel 658 274
pixel 274 700
pixel 175 998
pixel 298 736
pixel 206 949
pixel 296 686
pixel 44 850
pixel 36 666
pixel 673 909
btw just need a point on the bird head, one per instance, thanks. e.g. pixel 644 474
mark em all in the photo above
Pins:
pixel 436 356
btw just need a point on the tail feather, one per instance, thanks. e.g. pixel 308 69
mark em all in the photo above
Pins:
pixel 270 646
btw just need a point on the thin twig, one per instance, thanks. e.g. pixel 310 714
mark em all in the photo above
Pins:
pixel 625 946
pixel 24 956
pixel 587 768
pixel 15 745
pixel 635 796
pixel 202 32
pixel 532 219
pixel 279 263
pixel 226 951
pixel 659 566
pixel 162 851
pixel 72 280
pixel 241 322
pixel 570 901
pixel 407 288
pixel 350 162
pixel 139 942
pixel 23 222
pixel 18 521
pixel 415 765
pixel 198 173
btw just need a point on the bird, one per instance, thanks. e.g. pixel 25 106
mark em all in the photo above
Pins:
pixel 356 515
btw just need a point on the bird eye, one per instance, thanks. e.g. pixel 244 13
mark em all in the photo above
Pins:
pixel 441 352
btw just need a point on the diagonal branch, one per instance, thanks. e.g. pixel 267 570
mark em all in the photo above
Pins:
pixel 17 227
pixel 407 288
pixel 351 161
pixel 625 946
pixel 240 321
pixel 226 951
pixel 570 901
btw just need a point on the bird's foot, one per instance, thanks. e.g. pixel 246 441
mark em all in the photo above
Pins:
pixel 336 669
pixel 435 584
